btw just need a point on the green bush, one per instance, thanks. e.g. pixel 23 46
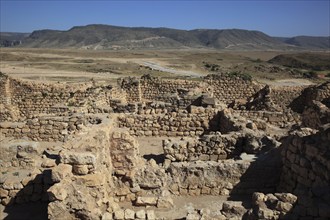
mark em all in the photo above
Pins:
pixel 244 76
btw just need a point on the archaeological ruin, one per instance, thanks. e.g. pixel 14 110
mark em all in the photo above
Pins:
pixel 217 147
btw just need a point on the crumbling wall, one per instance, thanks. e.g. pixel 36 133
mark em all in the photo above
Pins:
pixel 179 123
pixel 207 148
pixel 20 181
pixel 225 177
pixel 160 89
pixel 283 96
pixel 310 94
pixel 280 119
pixel 228 88
pixel 32 98
pixel 83 178
pixel 306 171
pixel 47 128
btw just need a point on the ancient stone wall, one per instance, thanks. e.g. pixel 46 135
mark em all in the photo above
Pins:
pixel 179 123
pixel 280 119
pixel 227 89
pixel 207 148
pixel 161 90
pixel 283 96
pixel 226 177
pixel 306 171
pixel 308 95
pixel 46 128
pixel 132 88
pixel 20 181
pixel 40 98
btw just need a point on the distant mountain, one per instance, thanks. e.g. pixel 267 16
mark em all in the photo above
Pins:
pixel 307 42
pixel 113 37
pixel 9 39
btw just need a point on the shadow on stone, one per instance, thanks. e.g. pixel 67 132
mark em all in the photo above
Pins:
pixel 31 201
pixel 159 158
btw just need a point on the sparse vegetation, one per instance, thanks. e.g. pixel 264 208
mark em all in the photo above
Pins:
pixel 244 76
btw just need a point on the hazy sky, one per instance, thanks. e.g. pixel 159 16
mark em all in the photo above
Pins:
pixel 276 18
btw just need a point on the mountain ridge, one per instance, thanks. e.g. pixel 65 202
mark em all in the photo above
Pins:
pixel 101 36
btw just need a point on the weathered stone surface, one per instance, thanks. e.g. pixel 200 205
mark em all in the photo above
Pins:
pixel 140 214
pixel 61 172
pixel 151 215
pixel 119 214
pixel 80 169
pixel 107 216
pixel 57 192
pixel 146 201
pixel 91 180
pixel 165 202
pixel 129 214
pixel 77 158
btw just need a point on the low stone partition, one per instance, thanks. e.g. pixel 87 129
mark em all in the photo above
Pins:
pixel 153 88
pixel 306 171
pixel 47 128
pixel 208 147
pixel 284 95
pixel 33 188
pixel 171 124
pixel 25 173
pixel 280 119
pixel 226 177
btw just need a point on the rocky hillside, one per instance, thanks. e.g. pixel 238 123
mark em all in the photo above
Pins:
pixel 308 42
pixel 114 37
pixel 310 61
pixel 8 39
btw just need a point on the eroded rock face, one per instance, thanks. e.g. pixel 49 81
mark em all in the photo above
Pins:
pixel 124 153
pixel 83 178
pixel 272 206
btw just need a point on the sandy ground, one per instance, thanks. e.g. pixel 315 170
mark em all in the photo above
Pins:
pixel 73 65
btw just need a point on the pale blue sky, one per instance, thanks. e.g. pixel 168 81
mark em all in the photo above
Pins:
pixel 276 18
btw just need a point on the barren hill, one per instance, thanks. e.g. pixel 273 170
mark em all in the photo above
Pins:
pixel 97 36
pixel 8 39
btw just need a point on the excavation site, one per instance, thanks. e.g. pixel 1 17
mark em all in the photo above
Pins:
pixel 220 146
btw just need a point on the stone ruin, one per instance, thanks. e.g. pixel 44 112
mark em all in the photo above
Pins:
pixel 75 150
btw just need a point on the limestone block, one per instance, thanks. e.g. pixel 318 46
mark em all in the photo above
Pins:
pixel 165 202
pixel 129 214
pixel 57 192
pixel 48 163
pixel 107 216
pixel 80 169
pixel 12 183
pixel 79 158
pixel 3 193
pixel 91 180
pixel 60 172
pixel 286 197
pixel 283 206
pixel 141 214
pixel 146 201
pixel 151 215
pixel 192 216
pixel 119 214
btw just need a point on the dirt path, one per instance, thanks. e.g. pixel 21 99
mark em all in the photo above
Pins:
pixel 157 66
